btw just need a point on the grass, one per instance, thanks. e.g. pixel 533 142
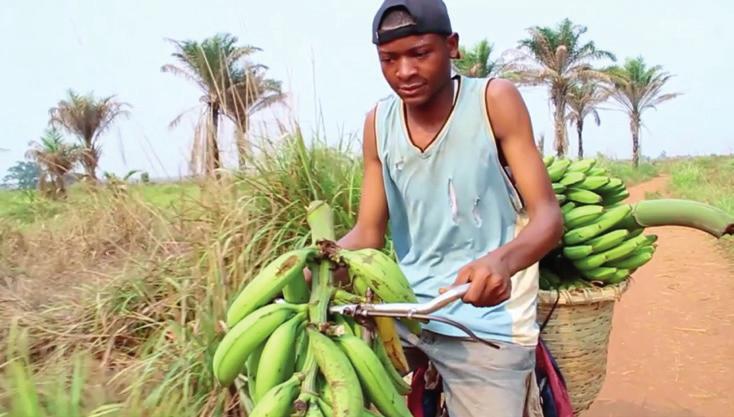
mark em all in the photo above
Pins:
pixel 140 279
pixel 166 195
pixel 24 206
pixel 624 170
pixel 708 179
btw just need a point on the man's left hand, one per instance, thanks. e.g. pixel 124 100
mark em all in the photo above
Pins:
pixel 490 281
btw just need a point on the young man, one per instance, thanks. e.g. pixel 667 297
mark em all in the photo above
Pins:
pixel 434 154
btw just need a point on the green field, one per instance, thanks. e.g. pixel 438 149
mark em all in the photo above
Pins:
pixel 707 179
pixel 628 173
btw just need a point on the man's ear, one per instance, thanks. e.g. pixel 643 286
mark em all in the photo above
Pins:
pixel 452 41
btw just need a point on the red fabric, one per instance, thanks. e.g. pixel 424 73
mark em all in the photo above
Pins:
pixel 417 389
pixel 558 387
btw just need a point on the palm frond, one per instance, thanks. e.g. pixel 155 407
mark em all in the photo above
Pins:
pixel 175 122
pixel 637 87
pixel 187 74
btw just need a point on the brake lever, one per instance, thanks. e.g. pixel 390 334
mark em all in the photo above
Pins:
pixel 413 310
pixel 407 310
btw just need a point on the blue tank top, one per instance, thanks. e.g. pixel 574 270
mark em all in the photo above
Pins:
pixel 451 204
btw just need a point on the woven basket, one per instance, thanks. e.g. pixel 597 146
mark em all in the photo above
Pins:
pixel 577 335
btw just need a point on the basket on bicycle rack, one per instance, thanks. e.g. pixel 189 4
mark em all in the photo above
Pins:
pixel 577 334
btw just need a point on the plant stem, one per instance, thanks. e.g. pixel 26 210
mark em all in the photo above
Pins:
pixel 320 219
pixel 686 213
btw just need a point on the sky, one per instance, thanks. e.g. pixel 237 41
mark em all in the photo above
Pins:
pixel 322 52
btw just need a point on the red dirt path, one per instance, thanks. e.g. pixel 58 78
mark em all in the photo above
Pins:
pixel 671 352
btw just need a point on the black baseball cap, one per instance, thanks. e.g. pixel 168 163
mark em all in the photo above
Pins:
pixel 430 16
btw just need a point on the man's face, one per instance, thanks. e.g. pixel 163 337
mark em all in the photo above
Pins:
pixel 418 66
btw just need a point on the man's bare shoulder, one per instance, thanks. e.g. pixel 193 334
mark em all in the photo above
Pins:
pixel 501 90
pixel 506 109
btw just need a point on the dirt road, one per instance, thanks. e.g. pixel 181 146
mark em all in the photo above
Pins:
pixel 672 344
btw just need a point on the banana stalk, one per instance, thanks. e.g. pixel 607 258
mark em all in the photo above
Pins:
pixel 686 213
pixel 320 218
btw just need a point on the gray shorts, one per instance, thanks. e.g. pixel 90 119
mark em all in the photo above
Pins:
pixel 477 379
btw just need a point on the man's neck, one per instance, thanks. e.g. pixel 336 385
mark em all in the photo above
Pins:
pixel 437 109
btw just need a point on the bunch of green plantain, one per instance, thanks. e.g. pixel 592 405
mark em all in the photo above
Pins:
pixel 603 241
pixel 602 244
pixel 292 357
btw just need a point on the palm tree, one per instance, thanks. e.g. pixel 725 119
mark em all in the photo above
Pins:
pixel 477 62
pixel 583 100
pixel 218 66
pixel 56 158
pixel 557 57
pixel 245 99
pixel 87 117
pixel 637 87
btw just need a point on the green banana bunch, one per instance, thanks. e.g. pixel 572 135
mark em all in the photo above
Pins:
pixel 604 238
pixel 599 244
pixel 297 358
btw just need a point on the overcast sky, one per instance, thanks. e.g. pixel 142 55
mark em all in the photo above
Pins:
pixel 322 52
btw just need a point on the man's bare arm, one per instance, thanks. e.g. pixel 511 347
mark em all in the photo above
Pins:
pixel 490 274
pixel 512 128
pixel 369 230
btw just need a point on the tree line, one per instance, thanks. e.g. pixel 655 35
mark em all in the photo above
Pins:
pixel 558 58
pixel 233 87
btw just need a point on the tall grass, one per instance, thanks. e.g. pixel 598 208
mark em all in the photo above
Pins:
pixel 140 341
